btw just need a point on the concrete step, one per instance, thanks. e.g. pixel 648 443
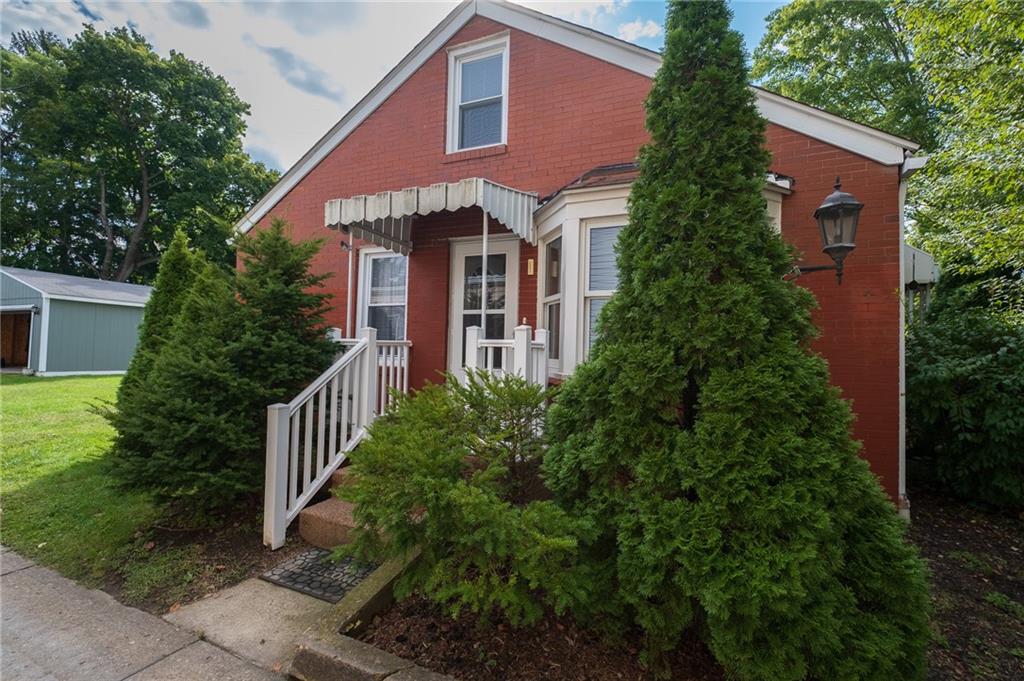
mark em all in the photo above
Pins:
pixel 342 476
pixel 328 523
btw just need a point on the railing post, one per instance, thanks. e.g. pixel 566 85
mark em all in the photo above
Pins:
pixel 275 487
pixel 541 358
pixel 522 353
pixel 472 349
pixel 370 376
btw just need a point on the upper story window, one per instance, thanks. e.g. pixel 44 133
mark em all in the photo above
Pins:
pixel 478 94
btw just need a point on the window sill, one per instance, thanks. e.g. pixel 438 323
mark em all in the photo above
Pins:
pixel 483 152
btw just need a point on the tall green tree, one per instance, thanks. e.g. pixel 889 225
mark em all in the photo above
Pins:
pixel 969 210
pixel 191 426
pixel 178 270
pixel 109 147
pixel 702 439
pixel 851 57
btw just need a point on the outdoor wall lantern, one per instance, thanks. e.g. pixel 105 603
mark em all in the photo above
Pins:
pixel 837 218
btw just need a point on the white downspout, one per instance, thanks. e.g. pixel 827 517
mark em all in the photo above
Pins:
pixel 911 164
pixel 483 282
pixel 348 290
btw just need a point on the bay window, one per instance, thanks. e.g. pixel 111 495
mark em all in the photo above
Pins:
pixel 552 319
pixel 602 276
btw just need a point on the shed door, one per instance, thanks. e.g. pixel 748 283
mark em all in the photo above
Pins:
pixel 15 333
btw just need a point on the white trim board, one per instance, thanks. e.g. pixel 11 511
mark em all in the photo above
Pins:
pixel 860 139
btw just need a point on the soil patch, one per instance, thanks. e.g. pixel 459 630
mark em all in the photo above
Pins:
pixel 553 649
pixel 976 558
pixel 171 564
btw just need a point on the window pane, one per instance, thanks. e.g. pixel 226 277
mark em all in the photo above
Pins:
pixel 604 275
pixel 481 78
pixel 554 325
pixel 495 282
pixel 595 305
pixel 480 124
pixel 387 280
pixel 552 268
pixel 389 320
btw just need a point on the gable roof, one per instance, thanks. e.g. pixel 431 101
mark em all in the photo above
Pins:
pixel 861 139
pixel 65 286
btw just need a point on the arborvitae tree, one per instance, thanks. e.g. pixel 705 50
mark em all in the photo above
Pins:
pixel 200 438
pixel 284 306
pixel 702 438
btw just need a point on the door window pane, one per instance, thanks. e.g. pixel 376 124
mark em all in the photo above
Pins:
pixel 552 268
pixel 604 274
pixel 495 282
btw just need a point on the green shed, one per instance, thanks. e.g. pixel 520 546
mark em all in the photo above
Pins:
pixel 59 325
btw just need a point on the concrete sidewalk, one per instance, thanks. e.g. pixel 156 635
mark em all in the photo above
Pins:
pixel 55 630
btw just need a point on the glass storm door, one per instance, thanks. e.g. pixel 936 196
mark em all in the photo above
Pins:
pixel 497 315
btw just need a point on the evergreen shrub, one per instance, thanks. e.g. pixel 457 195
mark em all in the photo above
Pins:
pixel 196 420
pixel 965 401
pixel 177 271
pixel 701 444
pixel 451 470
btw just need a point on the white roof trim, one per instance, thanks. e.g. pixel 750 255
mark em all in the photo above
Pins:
pixel 860 139
pixel 386 218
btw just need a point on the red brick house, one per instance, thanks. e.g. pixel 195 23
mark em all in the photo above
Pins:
pixel 508 118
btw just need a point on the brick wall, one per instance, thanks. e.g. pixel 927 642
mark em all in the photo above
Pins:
pixel 567 114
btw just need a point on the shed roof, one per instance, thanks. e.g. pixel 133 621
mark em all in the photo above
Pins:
pixel 67 286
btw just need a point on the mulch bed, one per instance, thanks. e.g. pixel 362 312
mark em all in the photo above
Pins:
pixel 555 649
pixel 976 558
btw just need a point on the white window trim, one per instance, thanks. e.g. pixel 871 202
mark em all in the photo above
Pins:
pixel 457 55
pixel 554 365
pixel 366 255
pixel 590 294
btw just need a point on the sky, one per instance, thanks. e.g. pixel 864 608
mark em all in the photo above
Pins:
pixel 301 65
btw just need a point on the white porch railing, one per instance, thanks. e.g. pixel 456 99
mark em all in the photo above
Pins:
pixel 310 437
pixel 521 354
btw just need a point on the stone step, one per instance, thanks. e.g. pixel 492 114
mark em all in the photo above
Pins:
pixel 328 523
pixel 342 476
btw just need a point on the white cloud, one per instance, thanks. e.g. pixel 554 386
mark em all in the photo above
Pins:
pixel 587 12
pixel 634 30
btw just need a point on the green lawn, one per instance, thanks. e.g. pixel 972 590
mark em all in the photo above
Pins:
pixel 60 506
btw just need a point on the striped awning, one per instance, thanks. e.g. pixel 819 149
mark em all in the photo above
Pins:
pixel 385 219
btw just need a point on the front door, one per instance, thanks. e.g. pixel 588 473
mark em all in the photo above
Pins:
pixel 467 306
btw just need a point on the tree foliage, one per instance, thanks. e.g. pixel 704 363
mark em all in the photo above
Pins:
pixel 702 439
pixel 177 272
pixel 109 147
pixel 452 470
pixel 965 415
pixel 191 429
pixel 850 57
pixel 969 211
